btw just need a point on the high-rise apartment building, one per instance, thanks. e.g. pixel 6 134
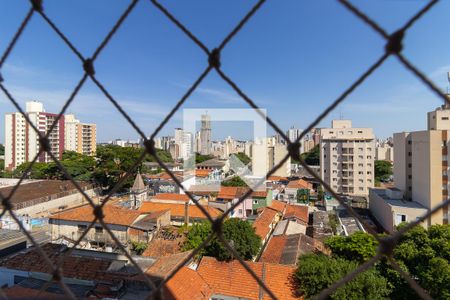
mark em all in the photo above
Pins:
pixel 80 137
pixel 265 156
pixel 22 141
pixel 421 164
pixel 205 135
pixel 347 158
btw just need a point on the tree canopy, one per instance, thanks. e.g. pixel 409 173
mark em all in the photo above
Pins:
pixel 316 272
pixel 243 157
pixel 108 166
pixel 234 181
pixel 240 235
pixel 2 150
pixel 424 254
pixel 312 157
pixel 199 158
pixel 383 170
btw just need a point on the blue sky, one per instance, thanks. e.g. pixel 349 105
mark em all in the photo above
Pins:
pixel 293 58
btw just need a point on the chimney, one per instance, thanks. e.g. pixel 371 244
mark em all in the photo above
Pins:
pixel 186 214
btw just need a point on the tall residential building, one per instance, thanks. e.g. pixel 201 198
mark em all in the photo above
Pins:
pixel 22 142
pixel 347 158
pixel 205 135
pixel 421 164
pixel 80 137
pixel 186 148
pixel 293 134
pixel 266 156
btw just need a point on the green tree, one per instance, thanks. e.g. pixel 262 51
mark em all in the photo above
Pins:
pixel 316 272
pixel 38 170
pixel 199 158
pixel 242 157
pixel 139 247
pixel 234 181
pixel 2 150
pixel 358 247
pixel 312 157
pixel 239 234
pixel 113 162
pixel 383 170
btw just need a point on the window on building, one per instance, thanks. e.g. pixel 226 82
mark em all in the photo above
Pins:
pixel 240 211
pixel 361 149
pixel 444 118
pixel 82 228
pixel 360 131
pixel 360 172
pixel 369 180
pixel 350 132
pixel 98 229
pixel 360 165
pixel 255 201
pixel 361 180
pixel 369 157
pixel 409 188
pixel 369 172
pixel 361 188
pixel 409 142
pixel 369 149
pixel 409 165
pixel 399 218
pixel 409 153
pixel 334 171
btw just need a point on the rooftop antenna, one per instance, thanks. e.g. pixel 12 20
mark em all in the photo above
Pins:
pixel 341 116
pixel 448 78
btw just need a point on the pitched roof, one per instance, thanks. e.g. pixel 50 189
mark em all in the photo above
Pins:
pixel 177 210
pixel 138 184
pixel 300 212
pixel 276 178
pixel 213 162
pixel 171 196
pixel 187 284
pixel 81 267
pixel 285 249
pixel 263 222
pixel 113 215
pixel 202 173
pixel 165 265
pixel 299 184
pixel 231 279
pixel 278 205
pixel 232 192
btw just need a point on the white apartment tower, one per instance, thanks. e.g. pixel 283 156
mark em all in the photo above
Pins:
pixel 22 141
pixel 205 135
pixel 347 158
pixel 421 164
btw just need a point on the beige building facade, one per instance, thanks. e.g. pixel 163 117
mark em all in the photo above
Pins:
pixel 347 158
pixel 267 156
pixel 421 164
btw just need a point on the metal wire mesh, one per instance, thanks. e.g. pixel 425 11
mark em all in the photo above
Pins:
pixel 393 48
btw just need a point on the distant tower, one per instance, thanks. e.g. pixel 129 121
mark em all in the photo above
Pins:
pixel 138 192
pixel 205 135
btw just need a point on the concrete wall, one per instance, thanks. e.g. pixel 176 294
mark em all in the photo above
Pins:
pixel 69 229
pixel 43 209
pixel 385 213
pixel 427 170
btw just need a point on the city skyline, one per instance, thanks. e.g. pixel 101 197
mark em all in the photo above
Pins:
pixel 292 87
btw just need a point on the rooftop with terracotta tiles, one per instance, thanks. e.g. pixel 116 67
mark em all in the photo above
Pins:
pixel 177 210
pixel 231 279
pixel 171 196
pixel 263 222
pixel 299 184
pixel 300 212
pixel 38 189
pixel 112 215
pixel 80 267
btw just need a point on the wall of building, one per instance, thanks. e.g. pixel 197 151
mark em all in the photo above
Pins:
pixel 427 170
pixel 386 213
pixel 59 228
pixel 43 209
pixel 403 162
